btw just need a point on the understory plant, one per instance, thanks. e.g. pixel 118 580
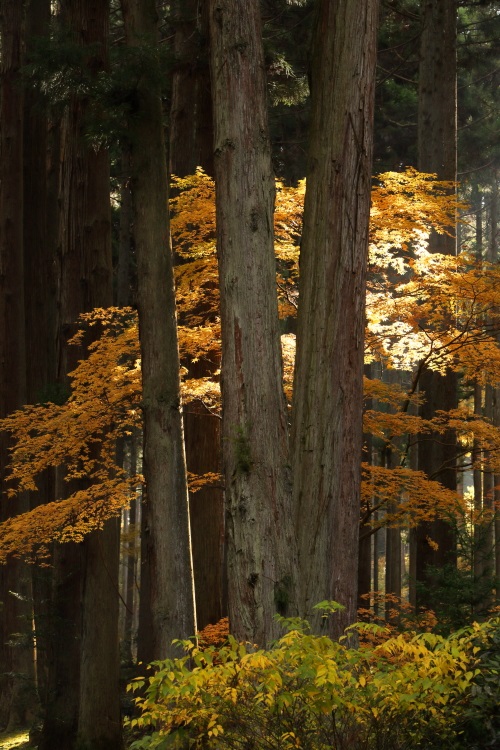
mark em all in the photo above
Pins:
pixel 307 691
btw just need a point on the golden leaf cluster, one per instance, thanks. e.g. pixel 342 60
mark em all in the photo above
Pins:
pixel 422 309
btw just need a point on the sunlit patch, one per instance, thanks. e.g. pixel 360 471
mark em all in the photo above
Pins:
pixel 14 739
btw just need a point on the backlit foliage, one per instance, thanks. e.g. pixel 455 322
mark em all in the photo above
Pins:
pixel 422 310
pixel 405 691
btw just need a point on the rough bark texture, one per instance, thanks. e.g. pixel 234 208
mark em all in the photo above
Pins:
pixel 191 130
pixel 203 454
pixel 99 720
pixel 437 153
pixel 40 301
pixel 16 665
pixel 327 401
pixel 85 594
pixel 191 146
pixel 260 544
pixel 166 507
pixel 365 530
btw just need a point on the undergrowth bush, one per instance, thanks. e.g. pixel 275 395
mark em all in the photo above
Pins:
pixel 309 692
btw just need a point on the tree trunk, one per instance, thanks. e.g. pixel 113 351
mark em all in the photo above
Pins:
pixel 437 153
pixel 40 301
pixel 260 543
pixel 84 575
pixel 191 128
pixel 128 646
pixel 16 658
pixel 328 385
pixel 166 506
pixel 496 393
pixel 191 146
pixel 123 275
pixel 365 533
pixel 203 453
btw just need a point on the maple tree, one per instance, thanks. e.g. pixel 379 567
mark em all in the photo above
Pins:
pixel 407 287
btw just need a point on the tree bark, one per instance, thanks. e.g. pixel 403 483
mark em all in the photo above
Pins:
pixel 166 506
pixel 85 596
pixel 328 384
pixel 437 153
pixel 40 301
pixel 191 146
pixel 191 127
pixel 16 659
pixel 260 541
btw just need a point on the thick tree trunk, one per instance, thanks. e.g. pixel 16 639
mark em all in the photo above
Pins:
pixel 123 272
pixel 260 542
pixel 61 700
pixel 191 129
pixel 437 153
pixel 203 453
pixel 191 146
pixel 16 659
pixel 40 300
pixel 84 574
pixel 166 506
pixel 99 720
pixel 328 385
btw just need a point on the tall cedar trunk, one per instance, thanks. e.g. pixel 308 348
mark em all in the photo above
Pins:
pixel 85 576
pixel 191 146
pixel 203 454
pixel 328 384
pixel 15 588
pixel 166 506
pixel 437 153
pixel 260 541
pixel 40 302
pixel 191 129
pixel 123 275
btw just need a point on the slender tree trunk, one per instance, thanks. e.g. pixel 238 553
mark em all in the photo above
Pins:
pixel 477 561
pixel 260 541
pixel 328 385
pixel 365 534
pixel 478 490
pixel 437 149
pixel 496 393
pixel 128 648
pixel 166 507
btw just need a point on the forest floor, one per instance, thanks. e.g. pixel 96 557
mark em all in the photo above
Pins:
pixel 18 739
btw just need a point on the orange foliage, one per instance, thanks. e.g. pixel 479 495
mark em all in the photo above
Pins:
pixel 214 635
pixel 421 309
pixel 409 497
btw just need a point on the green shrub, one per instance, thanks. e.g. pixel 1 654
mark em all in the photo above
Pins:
pixel 482 713
pixel 312 693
